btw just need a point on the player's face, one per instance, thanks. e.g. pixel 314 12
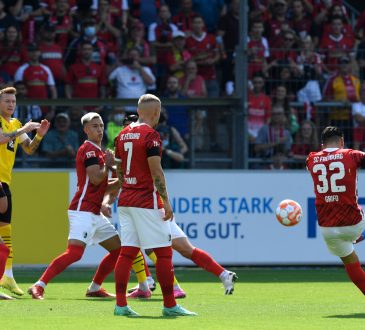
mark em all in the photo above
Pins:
pixel 94 130
pixel 7 104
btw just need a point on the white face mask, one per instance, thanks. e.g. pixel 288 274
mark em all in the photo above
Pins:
pixel 119 117
pixel 90 31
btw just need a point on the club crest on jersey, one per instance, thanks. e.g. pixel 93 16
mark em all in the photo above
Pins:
pixel 90 154
pixel 10 145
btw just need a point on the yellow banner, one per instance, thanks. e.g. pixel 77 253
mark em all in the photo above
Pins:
pixel 39 221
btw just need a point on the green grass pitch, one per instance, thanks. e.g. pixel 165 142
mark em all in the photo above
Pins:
pixel 264 298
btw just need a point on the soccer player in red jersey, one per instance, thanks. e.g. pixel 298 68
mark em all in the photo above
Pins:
pixel 144 207
pixel 341 219
pixel 87 225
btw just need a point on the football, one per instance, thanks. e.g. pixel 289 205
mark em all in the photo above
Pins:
pixel 289 212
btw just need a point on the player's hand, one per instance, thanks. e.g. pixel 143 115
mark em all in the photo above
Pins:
pixel 106 209
pixel 169 214
pixel 109 158
pixel 31 126
pixel 43 129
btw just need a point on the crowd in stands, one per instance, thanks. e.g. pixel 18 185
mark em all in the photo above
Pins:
pixel 302 51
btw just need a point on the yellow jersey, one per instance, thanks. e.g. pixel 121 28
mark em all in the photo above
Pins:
pixel 8 150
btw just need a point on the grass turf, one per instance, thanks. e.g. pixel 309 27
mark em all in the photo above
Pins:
pixel 265 298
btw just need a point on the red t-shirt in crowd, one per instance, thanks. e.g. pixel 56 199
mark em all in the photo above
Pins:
pixel 52 56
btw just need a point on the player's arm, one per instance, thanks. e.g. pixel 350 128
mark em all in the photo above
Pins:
pixel 3 200
pixel 28 127
pixel 158 176
pixel 119 171
pixel 110 196
pixel 96 173
pixel 30 146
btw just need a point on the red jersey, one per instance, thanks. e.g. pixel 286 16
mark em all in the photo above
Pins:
pixel 259 110
pixel 133 146
pixel 63 26
pixel 205 44
pixel 12 57
pixel 88 197
pixel 36 78
pixel 52 56
pixel 86 79
pixel 334 174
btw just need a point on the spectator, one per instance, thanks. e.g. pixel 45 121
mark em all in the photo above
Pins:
pixel 259 10
pixel 114 125
pixel 282 74
pixel 178 56
pixel 109 25
pixel 87 78
pixel 178 115
pixel 38 78
pixel 278 161
pixel 193 86
pixel 274 137
pixel 228 34
pixel 12 52
pixel 360 58
pixel 119 9
pixel 277 24
pixel 338 10
pixel 335 45
pixel 360 27
pixel 300 22
pixel 183 19
pixel 75 113
pixel 99 54
pixel 131 79
pixel 281 99
pixel 203 47
pixel 173 145
pixel 137 40
pixel 25 112
pixel 259 107
pixel 6 20
pixel 146 11
pixel 286 49
pixel 342 87
pixel 306 141
pixel 160 36
pixel 210 11
pixel 358 115
pixel 63 23
pixel 52 56
pixel 257 49
pixel 61 143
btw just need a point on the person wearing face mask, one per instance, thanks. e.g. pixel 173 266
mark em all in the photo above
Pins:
pixel 89 34
pixel 173 145
pixel 115 125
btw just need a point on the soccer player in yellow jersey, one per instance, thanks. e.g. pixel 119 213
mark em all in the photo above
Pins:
pixel 13 133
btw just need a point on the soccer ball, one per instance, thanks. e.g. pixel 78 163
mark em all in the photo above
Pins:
pixel 289 212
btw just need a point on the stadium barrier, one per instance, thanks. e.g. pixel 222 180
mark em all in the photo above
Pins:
pixel 229 214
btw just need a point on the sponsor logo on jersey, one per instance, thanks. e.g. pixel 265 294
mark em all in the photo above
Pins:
pixel 10 145
pixel 90 154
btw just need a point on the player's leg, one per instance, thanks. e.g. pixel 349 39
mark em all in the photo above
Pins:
pixel 179 293
pixel 106 266
pixel 73 253
pixel 139 267
pixel 80 233
pixel 339 242
pixel 7 281
pixel 156 234
pixel 4 253
pixel 181 244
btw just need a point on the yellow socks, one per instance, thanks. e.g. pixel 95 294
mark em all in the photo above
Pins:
pixel 5 233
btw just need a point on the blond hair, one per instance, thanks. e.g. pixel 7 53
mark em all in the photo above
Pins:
pixel 8 90
pixel 147 98
pixel 88 117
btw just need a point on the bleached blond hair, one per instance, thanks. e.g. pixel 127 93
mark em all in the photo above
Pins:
pixel 147 98
pixel 88 117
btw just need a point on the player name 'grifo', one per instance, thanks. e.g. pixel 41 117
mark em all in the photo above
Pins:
pixel 129 136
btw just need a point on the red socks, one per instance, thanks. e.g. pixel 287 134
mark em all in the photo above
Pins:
pixel 122 272
pixel 357 275
pixel 106 266
pixel 165 274
pixel 205 261
pixel 4 252
pixel 58 265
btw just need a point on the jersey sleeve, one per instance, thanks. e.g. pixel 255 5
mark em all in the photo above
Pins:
pixel 358 157
pixel 153 145
pixel 90 157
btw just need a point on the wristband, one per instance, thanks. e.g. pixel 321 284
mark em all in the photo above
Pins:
pixel 38 137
